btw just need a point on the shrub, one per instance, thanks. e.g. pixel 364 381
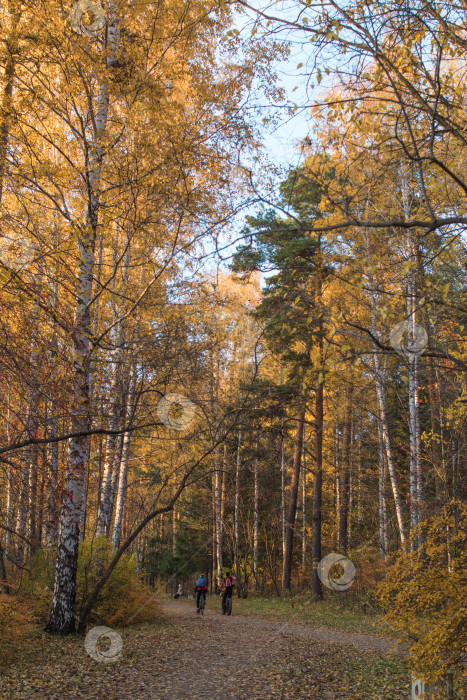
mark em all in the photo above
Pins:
pixel 37 583
pixel 124 598
pixel 423 596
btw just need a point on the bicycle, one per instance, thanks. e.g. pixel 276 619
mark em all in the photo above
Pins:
pixel 202 605
pixel 227 606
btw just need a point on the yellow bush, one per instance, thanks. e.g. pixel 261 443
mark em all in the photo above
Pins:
pixel 423 596
pixel 124 599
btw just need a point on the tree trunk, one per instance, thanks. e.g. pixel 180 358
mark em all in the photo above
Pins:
pixel 316 588
pixel 380 393
pixel 51 520
pixel 62 617
pixel 32 510
pixel 217 513
pixel 290 525
pixel 382 511
pixel 224 480
pixel 416 486
pixel 22 517
pixel 344 500
pixel 40 512
pixel 359 475
pixel 123 471
pixel 439 472
pixel 303 504
pixel 337 481
pixel 351 489
pixel 9 493
pixel 283 499
pixel 11 43
pixel 381 397
pixel 4 587
pixel 255 516
pixel 105 497
pixel 237 508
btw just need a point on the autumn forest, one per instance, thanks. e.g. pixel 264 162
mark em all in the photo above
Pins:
pixel 214 363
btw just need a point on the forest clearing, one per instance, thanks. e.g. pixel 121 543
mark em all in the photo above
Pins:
pixel 233 313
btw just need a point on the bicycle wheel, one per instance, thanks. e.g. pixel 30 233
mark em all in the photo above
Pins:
pixel 202 603
pixel 228 605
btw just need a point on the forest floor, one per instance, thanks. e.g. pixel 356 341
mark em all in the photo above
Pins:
pixel 184 656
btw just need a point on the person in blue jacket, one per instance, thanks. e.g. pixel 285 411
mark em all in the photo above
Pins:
pixel 200 590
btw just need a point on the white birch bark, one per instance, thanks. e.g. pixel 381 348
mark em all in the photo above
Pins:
pixel 108 483
pixel 217 513
pixel 217 482
pixel 381 399
pixel 237 506
pixel 51 524
pixel 116 471
pixel 416 487
pixel 62 617
pixel 123 472
pixel 382 509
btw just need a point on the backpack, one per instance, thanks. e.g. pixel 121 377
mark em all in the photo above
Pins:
pixel 201 582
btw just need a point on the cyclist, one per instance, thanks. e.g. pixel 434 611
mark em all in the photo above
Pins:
pixel 200 590
pixel 226 587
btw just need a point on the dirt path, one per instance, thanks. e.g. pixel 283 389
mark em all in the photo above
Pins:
pixel 241 624
pixel 187 657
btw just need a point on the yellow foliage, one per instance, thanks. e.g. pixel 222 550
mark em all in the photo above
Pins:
pixel 424 596
pixel 124 598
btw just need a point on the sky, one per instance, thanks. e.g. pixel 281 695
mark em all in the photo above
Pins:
pixel 281 142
